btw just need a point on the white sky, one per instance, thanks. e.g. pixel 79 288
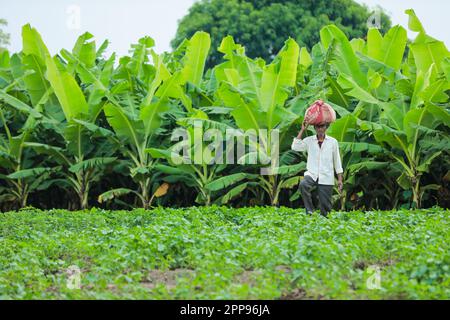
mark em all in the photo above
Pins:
pixel 124 22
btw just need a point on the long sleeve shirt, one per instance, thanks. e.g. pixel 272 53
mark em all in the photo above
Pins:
pixel 322 161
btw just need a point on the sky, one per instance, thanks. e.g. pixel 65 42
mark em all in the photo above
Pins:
pixel 123 22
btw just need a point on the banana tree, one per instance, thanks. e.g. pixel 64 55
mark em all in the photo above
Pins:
pixel 208 179
pixel 21 173
pixel 21 100
pixel 81 155
pixel 257 94
pixel 138 102
pixel 357 155
pixel 419 127
pixel 202 165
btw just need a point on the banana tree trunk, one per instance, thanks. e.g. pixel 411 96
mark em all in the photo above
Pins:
pixel 83 197
pixel 24 200
pixel 83 192
pixel 274 191
pixel 83 200
pixel 144 185
pixel 416 193
pixel 23 192
pixel 207 196
pixel 274 197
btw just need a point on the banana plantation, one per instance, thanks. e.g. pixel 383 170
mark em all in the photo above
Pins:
pixel 82 129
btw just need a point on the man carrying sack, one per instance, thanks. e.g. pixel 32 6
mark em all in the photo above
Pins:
pixel 323 158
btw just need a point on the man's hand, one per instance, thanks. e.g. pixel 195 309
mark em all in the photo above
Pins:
pixel 305 124
pixel 340 183
pixel 340 186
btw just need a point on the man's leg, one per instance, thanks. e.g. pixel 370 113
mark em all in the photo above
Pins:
pixel 325 193
pixel 306 185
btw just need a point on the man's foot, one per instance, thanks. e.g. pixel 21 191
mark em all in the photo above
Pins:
pixel 325 215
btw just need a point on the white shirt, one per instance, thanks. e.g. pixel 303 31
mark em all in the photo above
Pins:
pixel 322 161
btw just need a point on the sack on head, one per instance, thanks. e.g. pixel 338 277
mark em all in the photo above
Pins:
pixel 320 112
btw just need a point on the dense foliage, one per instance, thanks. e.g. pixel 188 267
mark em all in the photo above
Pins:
pixel 224 253
pixel 81 129
pixel 262 26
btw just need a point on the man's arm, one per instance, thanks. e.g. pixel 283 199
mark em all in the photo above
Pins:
pixel 298 144
pixel 338 166
pixel 340 182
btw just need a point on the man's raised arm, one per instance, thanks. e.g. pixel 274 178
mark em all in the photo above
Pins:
pixel 298 144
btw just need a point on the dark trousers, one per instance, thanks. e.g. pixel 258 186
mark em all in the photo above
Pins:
pixel 325 192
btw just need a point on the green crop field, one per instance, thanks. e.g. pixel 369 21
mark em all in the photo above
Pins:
pixel 224 253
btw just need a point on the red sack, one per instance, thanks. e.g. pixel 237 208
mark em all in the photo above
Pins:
pixel 320 112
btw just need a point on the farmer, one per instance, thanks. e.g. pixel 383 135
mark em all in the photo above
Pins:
pixel 323 159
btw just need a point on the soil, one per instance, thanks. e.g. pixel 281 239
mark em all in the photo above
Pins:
pixel 166 277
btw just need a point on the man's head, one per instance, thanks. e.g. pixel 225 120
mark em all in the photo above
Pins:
pixel 321 128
